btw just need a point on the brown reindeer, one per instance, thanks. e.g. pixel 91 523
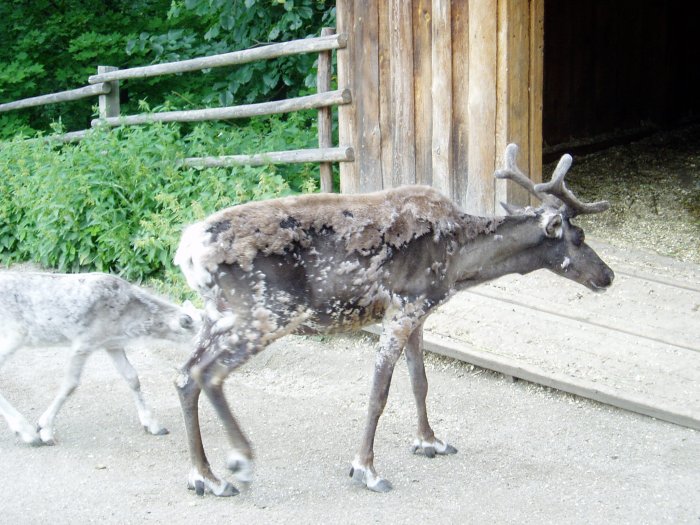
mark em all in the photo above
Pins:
pixel 331 263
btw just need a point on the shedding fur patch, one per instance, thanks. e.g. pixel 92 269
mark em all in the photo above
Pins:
pixel 364 223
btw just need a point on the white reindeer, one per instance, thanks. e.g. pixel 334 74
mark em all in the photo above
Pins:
pixel 333 263
pixel 88 312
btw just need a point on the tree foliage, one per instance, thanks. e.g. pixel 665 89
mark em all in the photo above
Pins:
pixel 208 27
pixel 54 45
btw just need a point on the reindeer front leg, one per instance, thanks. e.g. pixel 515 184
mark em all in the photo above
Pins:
pixel 425 441
pixel 392 341
pixel 128 372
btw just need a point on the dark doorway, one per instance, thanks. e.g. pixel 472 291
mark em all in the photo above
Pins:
pixel 616 69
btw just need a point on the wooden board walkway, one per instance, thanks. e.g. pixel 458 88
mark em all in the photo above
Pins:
pixel 636 347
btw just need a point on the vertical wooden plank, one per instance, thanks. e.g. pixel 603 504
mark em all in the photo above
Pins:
pixel 513 100
pixel 403 155
pixel 325 140
pixel 109 104
pixel 536 87
pixel 442 97
pixel 367 140
pixel 422 86
pixel 349 173
pixel 386 105
pixel 481 150
pixel 460 92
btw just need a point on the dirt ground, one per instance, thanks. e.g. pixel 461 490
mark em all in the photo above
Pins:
pixel 527 454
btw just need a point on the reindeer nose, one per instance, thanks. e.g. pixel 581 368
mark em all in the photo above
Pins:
pixel 608 277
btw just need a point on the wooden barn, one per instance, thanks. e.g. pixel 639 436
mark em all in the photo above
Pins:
pixel 441 86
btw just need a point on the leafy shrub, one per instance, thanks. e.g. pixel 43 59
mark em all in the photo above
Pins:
pixel 117 200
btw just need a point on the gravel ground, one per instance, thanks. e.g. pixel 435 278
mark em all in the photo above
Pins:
pixel 526 454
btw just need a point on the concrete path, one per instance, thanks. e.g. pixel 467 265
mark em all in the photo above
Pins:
pixel 637 346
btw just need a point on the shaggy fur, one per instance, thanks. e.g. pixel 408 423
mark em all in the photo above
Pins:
pixel 362 222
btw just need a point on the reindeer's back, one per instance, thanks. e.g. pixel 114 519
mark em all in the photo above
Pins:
pixel 362 223
pixel 47 307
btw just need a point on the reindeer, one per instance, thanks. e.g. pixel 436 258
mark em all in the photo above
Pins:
pixel 330 263
pixel 86 311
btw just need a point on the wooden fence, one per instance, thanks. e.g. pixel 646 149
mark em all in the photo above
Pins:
pixel 105 85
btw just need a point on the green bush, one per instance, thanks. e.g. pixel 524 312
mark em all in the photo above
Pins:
pixel 117 201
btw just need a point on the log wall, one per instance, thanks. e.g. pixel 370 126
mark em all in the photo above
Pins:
pixel 439 88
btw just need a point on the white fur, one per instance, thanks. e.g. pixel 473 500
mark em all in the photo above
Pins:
pixel 85 312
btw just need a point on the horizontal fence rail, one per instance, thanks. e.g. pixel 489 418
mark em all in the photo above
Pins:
pixel 295 47
pixel 105 85
pixel 319 100
pixel 54 98
pixel 340 154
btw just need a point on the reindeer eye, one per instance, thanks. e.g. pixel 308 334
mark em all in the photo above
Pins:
pixel 578 236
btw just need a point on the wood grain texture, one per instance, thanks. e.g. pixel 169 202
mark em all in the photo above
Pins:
pixel 403 154
pixel 460 99
pixel 422 88
pixel 513 124
pixel 54 98
pixel 325 126
pixel 443 176
pixel 329 98
pixel 293 47
pixel 349 177
pixel 483 40
pixel 367 138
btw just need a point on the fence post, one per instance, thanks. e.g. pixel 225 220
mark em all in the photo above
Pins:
pixel 325 129
pixel 109 103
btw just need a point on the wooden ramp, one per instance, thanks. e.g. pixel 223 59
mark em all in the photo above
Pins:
pixel 636 347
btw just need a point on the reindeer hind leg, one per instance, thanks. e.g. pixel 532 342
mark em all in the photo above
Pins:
pixel 200 479
pixel 206 371
pixel 211 378
pixel 16 421
pixel 70 383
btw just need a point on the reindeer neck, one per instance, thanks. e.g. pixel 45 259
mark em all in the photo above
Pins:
pixel 492 255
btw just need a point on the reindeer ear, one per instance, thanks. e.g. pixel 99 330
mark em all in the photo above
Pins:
pixel 512 209
pixel 553 226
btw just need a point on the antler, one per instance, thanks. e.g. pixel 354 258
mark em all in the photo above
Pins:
pixel 557 188
pixel 553 193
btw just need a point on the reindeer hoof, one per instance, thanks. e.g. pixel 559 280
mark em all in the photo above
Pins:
pixel 369 480
pixel 30 439
pixel 430 449
pixel 199 487
pixel 45 436
pixel 157 431
pixel 202 485
pixel 241 467
pixel 380 485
